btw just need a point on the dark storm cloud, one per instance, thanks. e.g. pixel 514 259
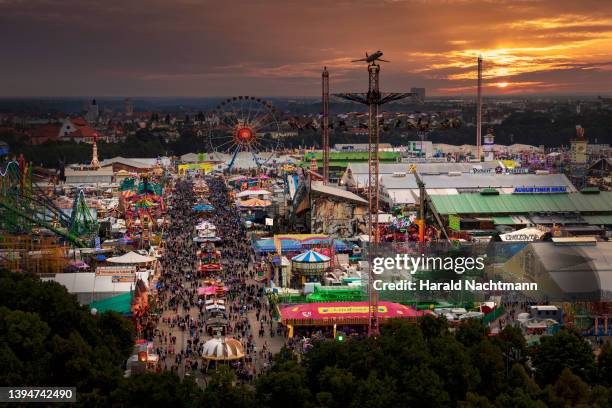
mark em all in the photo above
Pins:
pixel 278 47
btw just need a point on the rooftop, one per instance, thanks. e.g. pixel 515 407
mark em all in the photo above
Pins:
pixel 321 188
pixel 475 203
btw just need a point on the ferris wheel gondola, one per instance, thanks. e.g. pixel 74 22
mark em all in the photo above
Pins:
pixel 244 124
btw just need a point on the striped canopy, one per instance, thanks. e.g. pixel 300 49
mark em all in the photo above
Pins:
pixel 252 192
pixel 223 349
pixel 310 257
pixel 255 202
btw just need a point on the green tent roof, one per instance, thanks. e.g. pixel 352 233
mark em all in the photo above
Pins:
pixel 598 219
pixel 504 220
pixel 476 203
pixel 120 304
pixel 349 156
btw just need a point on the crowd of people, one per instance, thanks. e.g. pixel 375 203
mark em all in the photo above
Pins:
pixel 181 329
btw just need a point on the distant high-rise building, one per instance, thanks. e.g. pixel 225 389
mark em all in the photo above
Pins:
pixel 93 112
pixel 419 94
pixel 129 106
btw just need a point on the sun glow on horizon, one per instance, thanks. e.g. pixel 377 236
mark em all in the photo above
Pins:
pixel 502 84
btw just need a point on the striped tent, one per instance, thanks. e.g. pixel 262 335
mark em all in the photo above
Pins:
pixel 310 256
pixel 223 349
pixel 255 202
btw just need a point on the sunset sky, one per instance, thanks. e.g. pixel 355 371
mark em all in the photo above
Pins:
pixel 278 47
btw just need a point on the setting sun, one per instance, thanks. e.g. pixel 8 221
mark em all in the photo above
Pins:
pixel 502 84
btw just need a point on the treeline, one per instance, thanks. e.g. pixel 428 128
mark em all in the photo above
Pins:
pixel 530 127
pixel 48 339
pixel 144 144
pixel 426 365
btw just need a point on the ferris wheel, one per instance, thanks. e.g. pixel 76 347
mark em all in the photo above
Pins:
pixel 244 124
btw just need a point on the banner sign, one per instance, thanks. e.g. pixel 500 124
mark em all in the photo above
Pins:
pixel 115 270
pixel 198 167
pixel 123 278
pixel 540 190
pixel 500 170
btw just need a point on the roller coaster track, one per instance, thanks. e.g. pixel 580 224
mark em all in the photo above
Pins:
pixel 41 223
pixel 24 205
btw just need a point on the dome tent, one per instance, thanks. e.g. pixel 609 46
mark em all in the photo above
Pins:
pixel 223 349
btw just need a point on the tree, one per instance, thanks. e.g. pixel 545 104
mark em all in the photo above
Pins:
pixel 222 392
pixel 337 386
pixel 517 398
pixel 283 385
pixel 471 331
pixel 570 388
pixel 601 397
pixel 420 386
pixel 473 400
pixel 157 390
pixel 48 339
pixel 453 366
pixel 518 379
pixel 487 359
pixel 565 349
pixel 116 332
pixel 376 392
pixel 433 327
pixel 604 364
pixel 23 352
pixel 512 344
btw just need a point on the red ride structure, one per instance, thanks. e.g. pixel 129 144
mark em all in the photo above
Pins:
pixel 210 259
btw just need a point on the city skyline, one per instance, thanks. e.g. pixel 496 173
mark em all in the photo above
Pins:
pixel 278 48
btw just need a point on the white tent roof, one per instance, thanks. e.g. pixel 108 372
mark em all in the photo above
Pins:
pixel 131 258
pixel 89 282
pixel 246 193
pixel 223 349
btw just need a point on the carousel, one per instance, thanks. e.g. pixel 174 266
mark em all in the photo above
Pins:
pixel 222 349
pixel 310 265
pixel 206 232
pixel 209 259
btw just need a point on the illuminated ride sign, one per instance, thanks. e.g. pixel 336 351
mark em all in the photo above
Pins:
pixel 540 190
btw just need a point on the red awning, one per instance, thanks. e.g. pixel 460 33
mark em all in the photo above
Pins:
pixel 326 313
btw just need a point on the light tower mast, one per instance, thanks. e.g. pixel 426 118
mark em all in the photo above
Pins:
pixel 325 84
pixel 479 110
pixel 374 99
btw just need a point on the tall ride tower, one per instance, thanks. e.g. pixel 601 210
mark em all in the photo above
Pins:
pixel 373 99
pixel 325 85
pixel 479 110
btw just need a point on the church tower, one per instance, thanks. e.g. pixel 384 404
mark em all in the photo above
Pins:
pixel 95 163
